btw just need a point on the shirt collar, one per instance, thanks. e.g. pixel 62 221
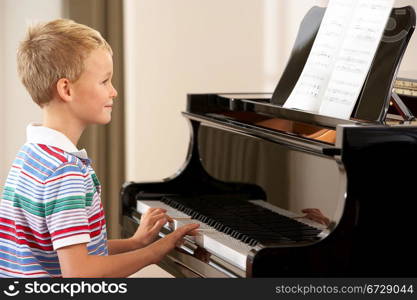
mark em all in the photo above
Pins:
pixel 38 134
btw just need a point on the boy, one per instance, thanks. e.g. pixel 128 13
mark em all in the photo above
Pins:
pixel 51 219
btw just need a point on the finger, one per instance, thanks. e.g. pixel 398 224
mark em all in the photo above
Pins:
pixel 325 221
pixel 318 219
pixel 194 232
pixel 158 225
pixel 155 210
pixel 155 218
pixel 146 214
pixel 152 210
pixel 186 229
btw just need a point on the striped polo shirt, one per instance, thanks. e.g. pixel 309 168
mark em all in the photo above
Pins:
pixel 51 199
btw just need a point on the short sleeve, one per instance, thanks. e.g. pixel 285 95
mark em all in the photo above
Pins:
pixel 65 198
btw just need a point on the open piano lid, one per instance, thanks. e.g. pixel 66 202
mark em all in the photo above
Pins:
pixel 374 99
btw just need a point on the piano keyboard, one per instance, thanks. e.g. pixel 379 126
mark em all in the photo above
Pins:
pixel 222 245
pixel 232 242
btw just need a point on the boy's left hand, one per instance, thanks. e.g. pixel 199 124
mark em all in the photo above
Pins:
pixel 150 224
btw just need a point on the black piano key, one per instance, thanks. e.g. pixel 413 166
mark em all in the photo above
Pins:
pixel 211 222
pixel 253 243
pixel 246 239
pixel 242 220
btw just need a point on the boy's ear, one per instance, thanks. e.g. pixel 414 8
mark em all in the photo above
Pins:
pixel 63 87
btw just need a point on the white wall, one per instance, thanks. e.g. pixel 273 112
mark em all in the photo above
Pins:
pixel 195 46
pixel 17 108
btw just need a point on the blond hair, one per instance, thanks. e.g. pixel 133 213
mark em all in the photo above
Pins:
pixel 55 50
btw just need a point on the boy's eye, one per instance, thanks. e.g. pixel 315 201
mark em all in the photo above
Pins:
pixel 105 81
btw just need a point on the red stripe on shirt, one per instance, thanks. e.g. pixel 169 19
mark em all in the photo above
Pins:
pixel 25 242
pixel 53 153
pixel 67 230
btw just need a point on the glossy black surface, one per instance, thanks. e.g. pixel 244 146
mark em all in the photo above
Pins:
pixel 373 101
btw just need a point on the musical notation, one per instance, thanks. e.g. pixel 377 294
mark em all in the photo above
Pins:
pixel 341 56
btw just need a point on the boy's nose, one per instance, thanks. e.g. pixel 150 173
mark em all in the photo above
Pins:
pixel 114 92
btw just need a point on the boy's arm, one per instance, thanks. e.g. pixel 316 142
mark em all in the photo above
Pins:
pixel 117 246
pixel 75 261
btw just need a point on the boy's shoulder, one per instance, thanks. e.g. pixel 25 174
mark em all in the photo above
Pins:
pixel 47 159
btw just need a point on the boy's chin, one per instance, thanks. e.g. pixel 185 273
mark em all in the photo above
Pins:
pixel 105 122
pixel 101 121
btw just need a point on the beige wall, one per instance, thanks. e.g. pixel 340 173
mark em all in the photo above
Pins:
pixel 2 100
pixel 17 109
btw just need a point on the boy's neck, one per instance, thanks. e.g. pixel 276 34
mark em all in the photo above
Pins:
pixel 73 134
pixel 63 123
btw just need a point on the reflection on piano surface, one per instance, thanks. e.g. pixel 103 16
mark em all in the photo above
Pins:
pixel 281 192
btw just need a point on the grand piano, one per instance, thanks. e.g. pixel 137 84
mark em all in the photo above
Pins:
pixel 281 192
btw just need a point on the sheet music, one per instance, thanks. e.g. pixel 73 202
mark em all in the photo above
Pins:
pixel 341 56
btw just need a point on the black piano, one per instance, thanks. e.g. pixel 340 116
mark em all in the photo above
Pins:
pixel 281 192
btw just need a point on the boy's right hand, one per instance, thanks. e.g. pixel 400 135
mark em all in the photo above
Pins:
pixel 151 223
pixel 161 247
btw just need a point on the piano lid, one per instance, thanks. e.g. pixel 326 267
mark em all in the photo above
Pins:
pixel 374 100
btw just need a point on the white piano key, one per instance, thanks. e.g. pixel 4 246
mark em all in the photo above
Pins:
pixel 143 205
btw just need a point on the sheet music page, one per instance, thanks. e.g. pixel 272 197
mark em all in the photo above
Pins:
pixel 355 57
pixel 340 58
pixel 310 87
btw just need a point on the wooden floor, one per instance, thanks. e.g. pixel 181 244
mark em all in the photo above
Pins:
pixel 152 271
